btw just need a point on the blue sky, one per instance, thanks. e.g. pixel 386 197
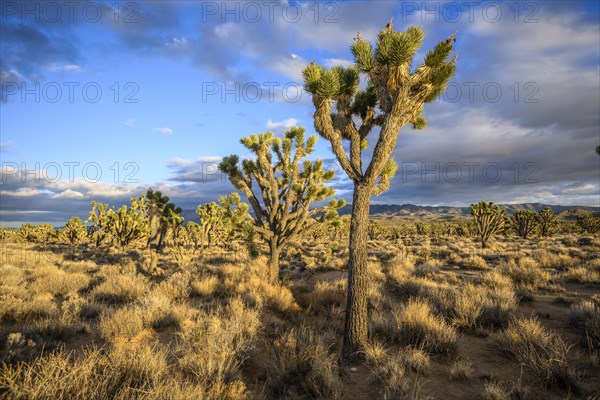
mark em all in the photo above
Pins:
pixel 519 122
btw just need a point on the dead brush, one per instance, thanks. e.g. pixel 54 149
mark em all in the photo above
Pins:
pixel 543 352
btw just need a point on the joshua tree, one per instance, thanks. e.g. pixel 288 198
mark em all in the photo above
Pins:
pixel 489 219
pixel 211 218
pixel 222 221
pixel 524 222
pixel 161 216
pixel 129 225
pixel 287 190
pixel 236 214
pixel 588 223
pixel 548 221
pixel 394 97
pixel 74 231
pixel 101 219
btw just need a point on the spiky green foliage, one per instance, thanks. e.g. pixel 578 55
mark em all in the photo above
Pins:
pixel 163 216
pixel 524 222
pixel 211 219
pixel 422 228
pixel 589 224
pixel 489 219
pixel 101 223
pixel 222 222
pixel 42 233
pixel 287 186
pixel 129 225
pixel 74 231
pixel 376 231
pixel 393 97
pixel 548 221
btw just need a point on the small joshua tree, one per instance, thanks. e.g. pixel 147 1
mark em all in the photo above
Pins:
pixel 74 231
pixel 489 219
pixel 588 223
pixel 42 233
pixel 211 218
pixel 129 224
pixel 548 221
pixel 524 222
pixel 222 222
pixel 287 191
pixel 394 97
pixel 161 215
pixel 101 227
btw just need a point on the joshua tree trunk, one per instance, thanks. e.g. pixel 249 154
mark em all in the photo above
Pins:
pixel 483 243
pixel 355 330
pixel 273 266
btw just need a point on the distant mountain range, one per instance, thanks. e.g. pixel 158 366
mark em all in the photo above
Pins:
pixel 413 212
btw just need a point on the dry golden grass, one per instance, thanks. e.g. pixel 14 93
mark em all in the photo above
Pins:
pixel 543 352
pixel 301 363
pixel 120 289
pixel 82 325
pixel 415 324
pixel 461 370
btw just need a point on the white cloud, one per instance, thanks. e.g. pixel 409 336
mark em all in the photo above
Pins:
pixel 285 124
pixel 178 161
pixel 20 193
pixel 163 130
pixel 130 122
pixel 290 66
pixel 178 44
pixel 69 194
pixel 65 67
pixel 333 62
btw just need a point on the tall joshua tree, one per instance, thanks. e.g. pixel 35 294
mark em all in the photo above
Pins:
pixel 287 190
pixel 394 97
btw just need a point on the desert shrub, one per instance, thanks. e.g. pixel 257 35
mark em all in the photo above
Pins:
pixel 461 370
pixel 586 315
pixel 300 360
pixel 124 323
pixel 543 352
pixel 399 268
pixel 495 391
pixel 17 309
pixel 415 359
pixel 427 269
pixel 176 288
pixel 50 279
pixel 415 324
pixel 525 273
pixel 131 372
pixel 327 294
pixel 205 287
pixel 213 350
pixel 582 274
pixel 275 296
pixel 475 262
pixel 120 289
